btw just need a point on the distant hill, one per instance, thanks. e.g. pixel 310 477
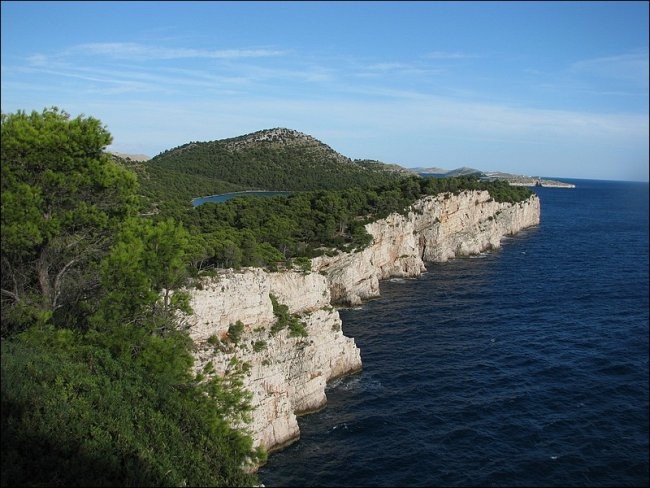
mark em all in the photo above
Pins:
pixel 463 171
pixel 513 180
pixel 132 157
pixel 446 172
pixel 519 180
pixel 381 166
pixel 273 159
pixel 429 171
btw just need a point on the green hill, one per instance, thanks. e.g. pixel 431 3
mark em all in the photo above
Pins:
pixel 274 159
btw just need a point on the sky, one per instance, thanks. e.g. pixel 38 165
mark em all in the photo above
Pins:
pixel 555 89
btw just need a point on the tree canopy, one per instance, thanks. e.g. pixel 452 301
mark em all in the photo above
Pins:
pixel 97 385
pixel 61 200
pixel 267 231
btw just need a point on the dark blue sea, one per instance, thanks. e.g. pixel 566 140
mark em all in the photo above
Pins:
pixel 526 366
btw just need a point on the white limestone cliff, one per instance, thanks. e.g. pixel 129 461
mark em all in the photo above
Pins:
pixel 287 375
pixel 436 228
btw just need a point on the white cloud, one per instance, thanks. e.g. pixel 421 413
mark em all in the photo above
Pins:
pixel 629 67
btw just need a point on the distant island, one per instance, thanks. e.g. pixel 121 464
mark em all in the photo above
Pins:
pixel 513 180
pixel 517 180
pixel 132 157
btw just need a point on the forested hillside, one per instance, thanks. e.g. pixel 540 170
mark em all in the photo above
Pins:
pixel 275 159
pixel 254 231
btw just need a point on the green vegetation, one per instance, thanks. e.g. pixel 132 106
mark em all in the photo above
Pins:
pixel 97 387
pixel 333 198
pixel 252 231
pixel 288 161
pixel 74 413
pixel 235 331
pixel 280 160
pixel 96 381
pixel 284 319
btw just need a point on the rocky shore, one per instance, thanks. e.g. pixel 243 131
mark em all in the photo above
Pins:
pixel 287 372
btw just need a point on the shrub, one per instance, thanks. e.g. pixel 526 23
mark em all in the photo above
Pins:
pixel 297 328
pixel 90 418
pixel 284 320
pixel 235 331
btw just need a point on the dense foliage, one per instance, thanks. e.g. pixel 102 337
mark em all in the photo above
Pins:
pixel 168 191
pixel 61 201
pixel 294 164
pixel 77 413
pixel 97 387
pixel 263 231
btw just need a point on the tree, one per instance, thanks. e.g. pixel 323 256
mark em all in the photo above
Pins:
pixel 61 197
pixel 97 386
pixel 140 273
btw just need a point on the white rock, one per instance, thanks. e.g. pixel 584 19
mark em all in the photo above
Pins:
pixel 288 375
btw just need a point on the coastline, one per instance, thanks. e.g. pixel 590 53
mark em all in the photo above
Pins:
pixel 288 375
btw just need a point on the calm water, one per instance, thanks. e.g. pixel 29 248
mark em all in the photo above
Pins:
pixel 224 197
pixel 527 366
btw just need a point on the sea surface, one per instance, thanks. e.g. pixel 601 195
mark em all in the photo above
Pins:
pixel 525 366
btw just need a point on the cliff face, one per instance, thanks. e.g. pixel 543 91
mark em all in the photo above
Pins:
pixel 436 229
pixel 287 375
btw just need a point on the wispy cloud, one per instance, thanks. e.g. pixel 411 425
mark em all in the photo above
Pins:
pixel 143 52
pixel 448 55
pixel 630 67
pixel 410 99
pixel 389 71
pixel 135 51
pixel 123 64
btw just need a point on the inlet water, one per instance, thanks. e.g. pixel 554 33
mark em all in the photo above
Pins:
pixel 224 197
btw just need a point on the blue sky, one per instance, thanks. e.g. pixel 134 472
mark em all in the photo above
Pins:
pixel 537 88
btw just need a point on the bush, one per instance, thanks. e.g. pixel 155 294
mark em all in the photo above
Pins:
pixel 297 328
pixel 303 263
pixel 90 418
pixel 284 320
pixel 235 331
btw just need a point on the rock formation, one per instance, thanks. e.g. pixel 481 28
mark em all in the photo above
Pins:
pixel 436 229
pixel 287 375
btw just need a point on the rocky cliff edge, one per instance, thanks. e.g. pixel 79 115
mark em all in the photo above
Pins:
pixel 286 373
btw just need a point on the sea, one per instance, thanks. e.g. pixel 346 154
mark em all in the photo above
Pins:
pixel 523 366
